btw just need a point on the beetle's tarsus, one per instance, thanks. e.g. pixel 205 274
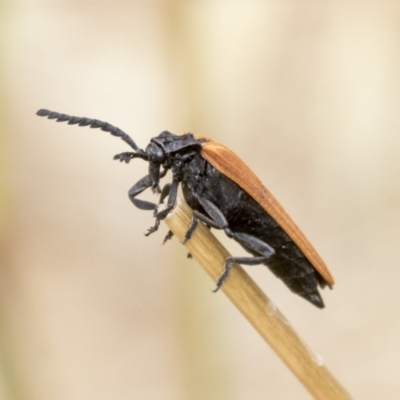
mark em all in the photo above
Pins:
pixel 223 276
pixel 153 228
pixel 219 283
pixel 168 236
pixel 156 189
pixel 191 229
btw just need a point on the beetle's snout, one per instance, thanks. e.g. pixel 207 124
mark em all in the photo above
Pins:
pixel 155 153
pixel 154 172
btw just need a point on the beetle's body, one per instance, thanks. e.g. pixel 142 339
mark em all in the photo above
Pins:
pixel 245 215
pixel 225 194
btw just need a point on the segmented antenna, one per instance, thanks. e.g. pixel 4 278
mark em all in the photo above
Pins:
pixel 93 123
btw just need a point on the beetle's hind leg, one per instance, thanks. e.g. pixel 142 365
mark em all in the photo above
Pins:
pixel 263 252
pixel 237 260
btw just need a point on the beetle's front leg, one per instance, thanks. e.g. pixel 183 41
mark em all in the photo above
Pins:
pixel 173 191
pixel 138 188
pixel 164 193
pixel 159 215
pixel 264 252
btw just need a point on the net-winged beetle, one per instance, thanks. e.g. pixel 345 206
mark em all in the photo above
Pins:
pixel 225 194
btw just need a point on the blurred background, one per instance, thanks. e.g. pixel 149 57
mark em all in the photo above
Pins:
pixel 306 92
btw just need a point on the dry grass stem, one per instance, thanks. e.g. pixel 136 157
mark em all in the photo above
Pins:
pixel 257 308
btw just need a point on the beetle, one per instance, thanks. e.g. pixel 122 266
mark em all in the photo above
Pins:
pixel 225 194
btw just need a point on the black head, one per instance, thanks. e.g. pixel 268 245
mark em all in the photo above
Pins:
pixel 168 150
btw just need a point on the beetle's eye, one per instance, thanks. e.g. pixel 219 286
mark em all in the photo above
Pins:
pixel 155 153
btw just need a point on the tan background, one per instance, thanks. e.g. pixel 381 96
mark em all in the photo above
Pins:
pixel 307 92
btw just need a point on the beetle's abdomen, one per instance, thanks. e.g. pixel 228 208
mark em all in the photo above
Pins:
pixel 288 263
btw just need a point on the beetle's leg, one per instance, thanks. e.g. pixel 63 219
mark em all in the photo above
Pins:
pixel 253 244
pixel 249 242
pixel 173 190
pixel 153 228
pixel 160 215
pixel 237 260
pixel 263 254
pixel 165 192
pixel 138 188
pixel 192 228
pixel 217 220
pixel 263 250
pixel 168 236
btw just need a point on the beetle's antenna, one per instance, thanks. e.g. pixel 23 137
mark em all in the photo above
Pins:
pixel 93 123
